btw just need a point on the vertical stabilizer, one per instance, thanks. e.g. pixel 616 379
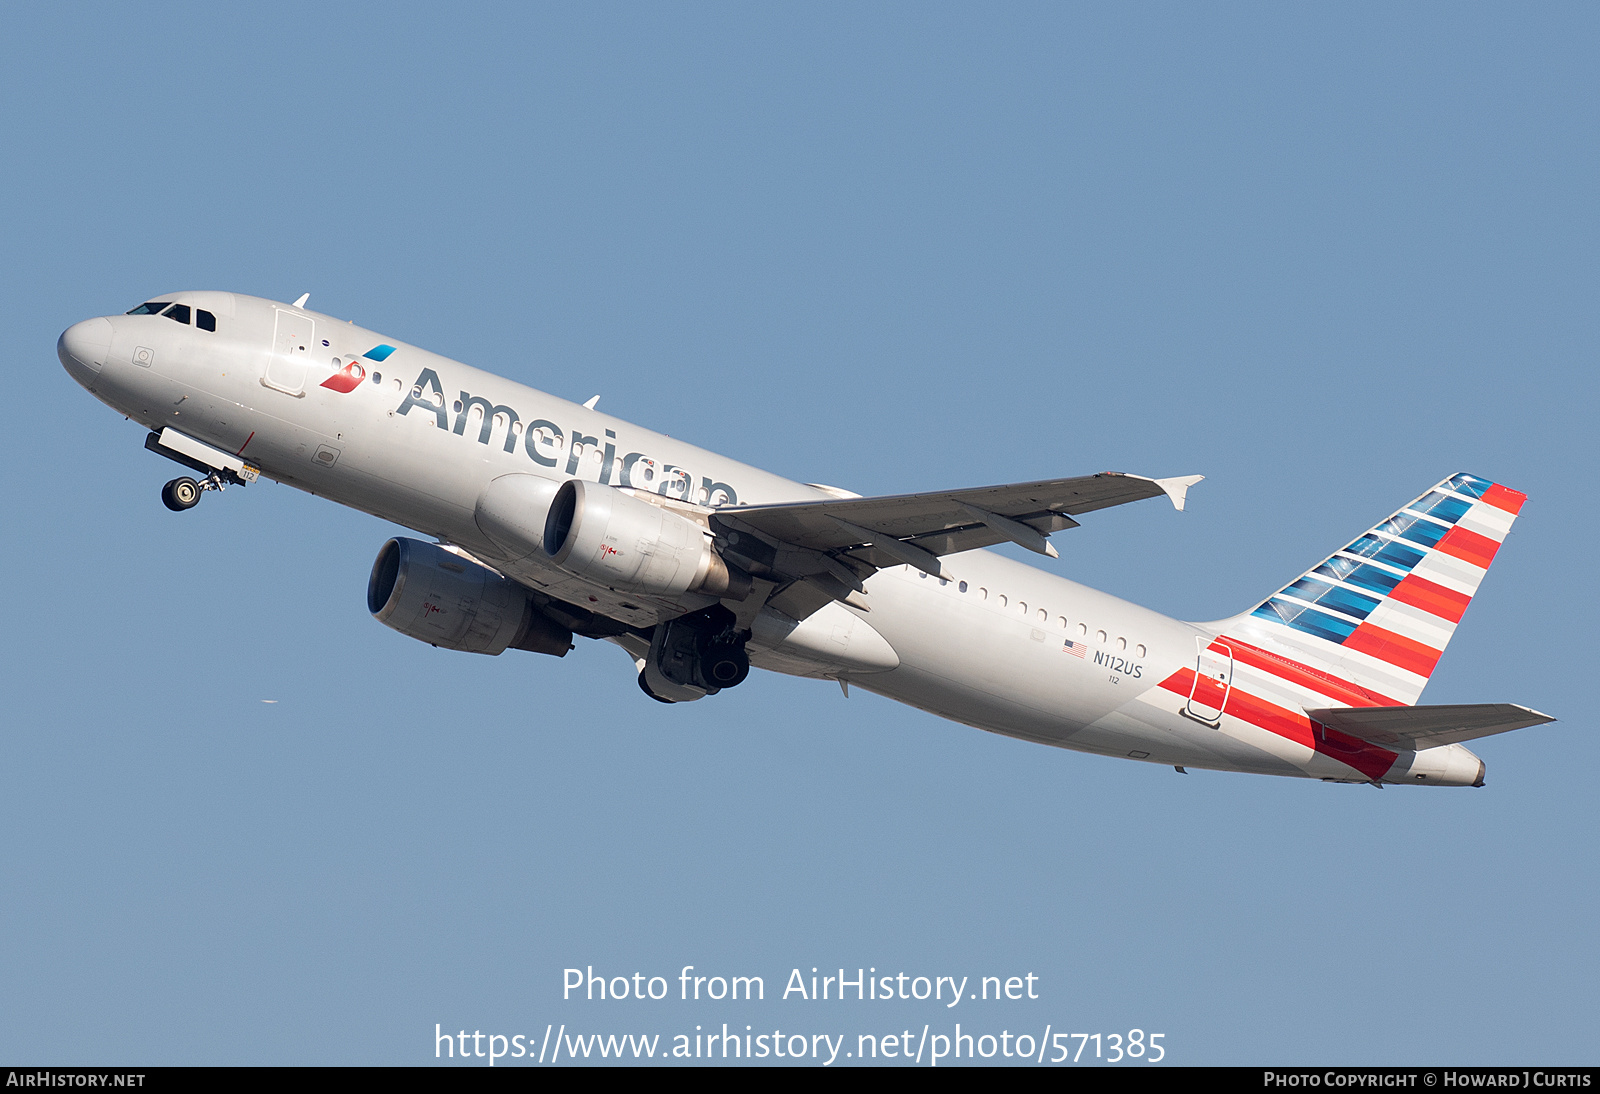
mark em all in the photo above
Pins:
pixel 1378 613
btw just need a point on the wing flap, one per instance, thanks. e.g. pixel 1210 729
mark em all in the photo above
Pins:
pixel 817 551
pixel 943 522
pixel 1417 728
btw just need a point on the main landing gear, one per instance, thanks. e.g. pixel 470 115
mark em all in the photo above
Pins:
pixel 695 655
pixel 185 493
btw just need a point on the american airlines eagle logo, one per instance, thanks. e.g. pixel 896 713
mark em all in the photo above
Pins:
pixel 350 376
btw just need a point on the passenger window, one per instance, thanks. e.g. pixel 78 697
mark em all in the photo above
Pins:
pixel 1100 637
pixel 178 313
pixel 1139 649
pixel 205 320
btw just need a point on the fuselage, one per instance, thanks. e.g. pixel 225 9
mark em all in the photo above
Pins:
pixel 368 421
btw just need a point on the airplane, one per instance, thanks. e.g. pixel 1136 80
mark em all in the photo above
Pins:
pixel 547 519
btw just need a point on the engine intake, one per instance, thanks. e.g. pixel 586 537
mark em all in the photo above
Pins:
pixel 511 513
pixel 605 535
pixel 434 596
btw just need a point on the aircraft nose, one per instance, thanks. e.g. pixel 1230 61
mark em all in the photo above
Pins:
pixel 83 347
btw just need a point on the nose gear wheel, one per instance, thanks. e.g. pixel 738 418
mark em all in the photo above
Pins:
pixel 185 493
pixel 180 494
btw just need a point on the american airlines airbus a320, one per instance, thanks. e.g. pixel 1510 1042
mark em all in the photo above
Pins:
pixel 552 519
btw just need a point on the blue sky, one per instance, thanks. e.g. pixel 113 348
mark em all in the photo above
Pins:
pixel 1323 256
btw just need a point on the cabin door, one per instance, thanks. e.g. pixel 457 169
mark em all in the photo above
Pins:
pixel 291 353
pixel 1213 682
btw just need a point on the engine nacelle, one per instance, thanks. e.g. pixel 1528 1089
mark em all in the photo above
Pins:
pixel 605 535
pixel 511 512
pixel 430 594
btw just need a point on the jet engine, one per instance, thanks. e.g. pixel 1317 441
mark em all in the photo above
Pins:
pixel 611 537
pixel 430 594
pixel 511 513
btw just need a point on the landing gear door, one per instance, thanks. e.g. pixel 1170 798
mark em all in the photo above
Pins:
pixel 1213 682
pixel 291 353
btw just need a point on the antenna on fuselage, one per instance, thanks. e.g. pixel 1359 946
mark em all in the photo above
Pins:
pixel 302 301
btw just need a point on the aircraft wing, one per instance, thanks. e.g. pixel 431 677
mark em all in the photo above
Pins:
pixel 1427 727
pixel 834 543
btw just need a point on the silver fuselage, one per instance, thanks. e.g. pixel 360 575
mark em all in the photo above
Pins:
pixel 417 439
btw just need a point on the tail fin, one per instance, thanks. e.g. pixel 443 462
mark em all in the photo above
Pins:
pixel 1378 613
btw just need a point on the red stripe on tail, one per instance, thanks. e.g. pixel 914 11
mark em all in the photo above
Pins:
pixel 1369 759
pixel 1503 497
pixel 1275 664
pixel 1431 597
pixel 1398 650
pixel 1469 546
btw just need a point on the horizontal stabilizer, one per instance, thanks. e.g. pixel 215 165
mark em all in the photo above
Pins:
pixel 1415 728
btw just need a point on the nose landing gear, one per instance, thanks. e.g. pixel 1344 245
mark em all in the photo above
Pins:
pixel 185 493
pixel 217 468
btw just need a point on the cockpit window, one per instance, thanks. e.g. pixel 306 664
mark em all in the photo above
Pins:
pixel 204 319
pixel 152 308
pixel 178 313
